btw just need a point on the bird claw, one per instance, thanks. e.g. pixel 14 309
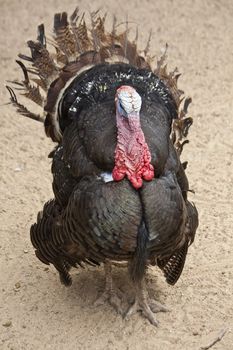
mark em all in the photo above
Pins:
pixel 114 298
pixel 155 306
pixel 147 308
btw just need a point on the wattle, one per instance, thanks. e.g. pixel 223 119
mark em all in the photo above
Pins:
pixel 132 155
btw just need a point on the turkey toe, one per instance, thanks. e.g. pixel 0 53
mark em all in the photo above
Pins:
pixel 146 310
pixel 114 297
pixel 111 294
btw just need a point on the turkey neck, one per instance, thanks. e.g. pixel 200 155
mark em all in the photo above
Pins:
pixel 132 155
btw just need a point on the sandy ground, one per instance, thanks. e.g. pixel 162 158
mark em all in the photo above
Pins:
pixel 36 312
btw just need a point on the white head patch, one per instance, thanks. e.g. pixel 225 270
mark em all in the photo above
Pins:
pixel 129 99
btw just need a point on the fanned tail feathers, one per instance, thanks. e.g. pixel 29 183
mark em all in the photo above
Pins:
pixel 21 109
pixel 180 125
pixel 77 47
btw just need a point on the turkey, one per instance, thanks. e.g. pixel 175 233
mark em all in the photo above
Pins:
pixel 120 189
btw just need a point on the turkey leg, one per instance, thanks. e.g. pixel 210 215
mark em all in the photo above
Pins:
pixel 113 295
pixel 143 303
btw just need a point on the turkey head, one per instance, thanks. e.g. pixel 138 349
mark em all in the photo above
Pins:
pixel 132 155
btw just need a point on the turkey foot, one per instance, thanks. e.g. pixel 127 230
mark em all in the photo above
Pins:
pixel 112 295
pixel 144 304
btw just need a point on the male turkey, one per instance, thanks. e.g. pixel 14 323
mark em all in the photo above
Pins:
pixel 120 190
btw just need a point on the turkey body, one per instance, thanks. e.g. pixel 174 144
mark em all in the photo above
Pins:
pixel 94 219
pixel 100 220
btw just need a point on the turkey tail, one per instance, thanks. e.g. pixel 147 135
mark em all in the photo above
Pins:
pixel 181 124
pixel 77 46
pixel 137 265
pixel 21 109
pixel 181 127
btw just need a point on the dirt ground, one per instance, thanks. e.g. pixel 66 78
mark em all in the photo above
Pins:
pixel 36 312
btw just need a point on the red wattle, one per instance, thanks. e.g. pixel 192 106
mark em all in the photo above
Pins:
pixel 132 155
